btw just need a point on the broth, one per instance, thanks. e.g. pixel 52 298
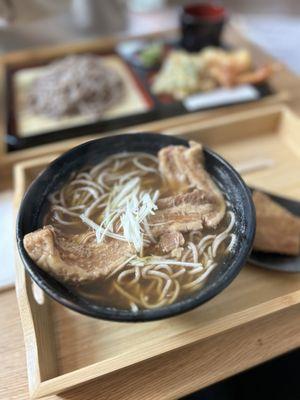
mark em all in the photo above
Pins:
pixel 149 279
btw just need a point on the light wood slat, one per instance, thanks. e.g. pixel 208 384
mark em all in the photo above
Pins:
pixel 168 377
pixel 150 350
pixel 209 359
pixel 2 111
pixel 36 319
pixel 39 54
pixel 177 374
pixel 285 83
pixel 9 159
pixel 66 349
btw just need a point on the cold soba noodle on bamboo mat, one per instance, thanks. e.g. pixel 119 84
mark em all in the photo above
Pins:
pixel 136 231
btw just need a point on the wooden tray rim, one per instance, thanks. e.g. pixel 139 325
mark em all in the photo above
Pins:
pixel 48 52
pixel 44 53
pixel 141 352
pixel 39 388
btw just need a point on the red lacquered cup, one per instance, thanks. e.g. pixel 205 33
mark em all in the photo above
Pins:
pixel 201 25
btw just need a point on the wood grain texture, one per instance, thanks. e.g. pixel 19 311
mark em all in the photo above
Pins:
pixel 103 43
pixel 271 134
pixel 36 319
pixel 2 109
pixel 70 348
pixel 8 160
pixel 167 377
pixel 203 360
pixel 285 83
pixel 180 373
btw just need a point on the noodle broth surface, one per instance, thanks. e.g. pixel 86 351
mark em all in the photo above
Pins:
pixel 151 279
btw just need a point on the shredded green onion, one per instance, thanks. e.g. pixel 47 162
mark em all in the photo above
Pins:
pixel 131 206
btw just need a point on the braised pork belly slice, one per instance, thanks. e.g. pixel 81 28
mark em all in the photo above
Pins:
pixel 170 159
pixel 183 168
pixel 170 241
pixel 185 212
pixel 277 230
pixel 72 258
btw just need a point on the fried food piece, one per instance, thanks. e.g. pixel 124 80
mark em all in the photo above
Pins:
pixel 277 230
pixel 185 73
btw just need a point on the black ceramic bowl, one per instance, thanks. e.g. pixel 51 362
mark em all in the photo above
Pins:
pixel 35 203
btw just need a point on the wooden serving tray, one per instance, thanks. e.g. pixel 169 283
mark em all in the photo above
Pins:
pixel 25 129
pixel 144 360
pixel 22 129
pixel 285 84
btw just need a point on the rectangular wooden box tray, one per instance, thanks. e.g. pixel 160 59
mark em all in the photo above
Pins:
pixel 25 129
pixel 285 85
pixel 18 128
pixel 135 361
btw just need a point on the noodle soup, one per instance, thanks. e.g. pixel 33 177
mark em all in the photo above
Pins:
pixel 170 223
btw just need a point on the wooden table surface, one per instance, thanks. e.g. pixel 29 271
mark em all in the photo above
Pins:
pixel 233 352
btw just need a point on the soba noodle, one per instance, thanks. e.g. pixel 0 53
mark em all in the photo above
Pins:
pixel 97 201
pixel 75 85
